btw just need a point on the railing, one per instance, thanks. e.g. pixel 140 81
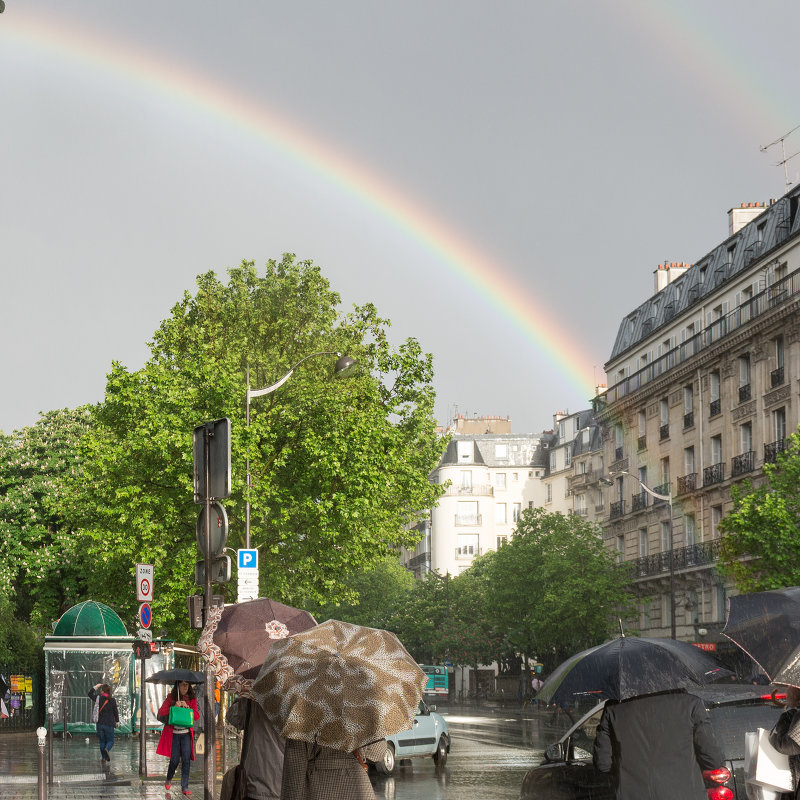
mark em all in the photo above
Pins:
pixel 696 555
pixel 664 432
pixel 742 463
pixel 422 558
pixel 484 489
pixel 639 501
pixel 744 393
pixel 580 512
pixel 468 519
pixel 641 443
pixel 687 483
pixel 776 377
pixel 759 304
pixel 688 419
pixel 618 454
pixel 617 509
pixel 772 449
pixel 715 407
pixel 468 551
pixel 664 489
pixel 714 474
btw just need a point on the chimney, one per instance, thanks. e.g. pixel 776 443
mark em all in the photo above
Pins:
pixel 667 272
pixel 739 217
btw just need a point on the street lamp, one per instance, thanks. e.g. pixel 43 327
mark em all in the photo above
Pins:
pixel 345 366
pixel 668 499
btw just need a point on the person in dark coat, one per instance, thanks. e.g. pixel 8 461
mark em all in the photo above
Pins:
pixel 785 737
pixel 656 746
pixel 263 761
pixel 107 717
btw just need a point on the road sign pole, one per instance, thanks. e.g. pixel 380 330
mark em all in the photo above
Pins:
pixel 142 720
pixel 210 772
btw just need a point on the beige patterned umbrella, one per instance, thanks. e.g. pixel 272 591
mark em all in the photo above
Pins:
pixel 340 685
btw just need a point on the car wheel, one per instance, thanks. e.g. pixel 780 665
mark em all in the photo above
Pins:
pixel 440 756
pixel 386 765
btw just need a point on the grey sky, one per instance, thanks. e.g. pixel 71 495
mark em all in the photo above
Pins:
pixel 575 144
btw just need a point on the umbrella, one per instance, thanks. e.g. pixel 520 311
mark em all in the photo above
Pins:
pixel 340 685
pixel 237 638
pixel 170 676
pixel 630 666
pixel 766 625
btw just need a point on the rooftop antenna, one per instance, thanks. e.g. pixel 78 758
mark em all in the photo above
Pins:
pixel 785 160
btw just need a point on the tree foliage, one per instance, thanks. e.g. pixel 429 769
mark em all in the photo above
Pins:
pixel 761 532
pixel 339 469
pixel 554 587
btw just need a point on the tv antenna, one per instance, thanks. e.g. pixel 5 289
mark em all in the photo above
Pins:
pixel 785 160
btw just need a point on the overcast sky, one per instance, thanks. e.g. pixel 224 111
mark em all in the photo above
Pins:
pixel 499 178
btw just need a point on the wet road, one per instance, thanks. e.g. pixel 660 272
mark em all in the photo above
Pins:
pixel 489 756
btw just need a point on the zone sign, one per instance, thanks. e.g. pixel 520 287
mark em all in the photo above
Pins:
pixel 144 582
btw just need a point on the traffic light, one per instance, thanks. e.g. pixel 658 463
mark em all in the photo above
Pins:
pixel 142 649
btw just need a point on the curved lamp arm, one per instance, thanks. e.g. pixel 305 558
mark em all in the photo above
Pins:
pixel 658 496
pixel 344 366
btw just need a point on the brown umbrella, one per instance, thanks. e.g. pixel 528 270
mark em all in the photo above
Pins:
pixel 237 638
pixel 340 685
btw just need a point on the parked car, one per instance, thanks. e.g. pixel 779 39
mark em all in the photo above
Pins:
pixel 428 736
pixel 567 772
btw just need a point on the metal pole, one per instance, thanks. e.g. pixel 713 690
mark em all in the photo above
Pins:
pixel 50 749
pixel 671 572
pixel 41 733
pixel 247 467
pixel 142 720
pixel 210 762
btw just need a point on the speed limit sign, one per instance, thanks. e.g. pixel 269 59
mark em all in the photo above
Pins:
pixel 144 582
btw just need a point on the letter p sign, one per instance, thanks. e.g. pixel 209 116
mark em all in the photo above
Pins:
pixel 248 559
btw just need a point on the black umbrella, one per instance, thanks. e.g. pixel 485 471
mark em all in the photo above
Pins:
pixel 766 625
pixel 628 667
pixel 170 676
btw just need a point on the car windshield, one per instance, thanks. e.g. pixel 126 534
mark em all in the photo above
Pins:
pixel 732 722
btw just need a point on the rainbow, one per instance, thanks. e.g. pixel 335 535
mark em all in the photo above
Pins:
pixel 510 299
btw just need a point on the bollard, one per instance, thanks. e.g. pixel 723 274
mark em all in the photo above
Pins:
pixel 41 734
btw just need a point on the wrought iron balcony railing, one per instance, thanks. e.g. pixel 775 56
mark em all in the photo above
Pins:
pixel 776 377
pixel 639 501
pixel 617 509
pixel 696 555
pixel 743 463
pixel 687 483
pixel 772 449
pixel 715 407
pixel 714 474
pixel 688 419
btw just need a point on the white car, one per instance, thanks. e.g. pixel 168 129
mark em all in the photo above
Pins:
pixel 428 736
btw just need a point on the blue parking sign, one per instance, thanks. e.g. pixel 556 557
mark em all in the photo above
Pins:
pixel 248 559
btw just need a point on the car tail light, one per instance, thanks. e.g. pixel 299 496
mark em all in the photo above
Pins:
pixel 720 775
pixel 720 793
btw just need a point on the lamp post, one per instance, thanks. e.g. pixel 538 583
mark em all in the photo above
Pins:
pixel 668 499
pixel 344 367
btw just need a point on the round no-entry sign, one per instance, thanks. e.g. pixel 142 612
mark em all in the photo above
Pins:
pixel 145 615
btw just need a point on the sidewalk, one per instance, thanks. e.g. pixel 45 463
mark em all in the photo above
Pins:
pixel 80 774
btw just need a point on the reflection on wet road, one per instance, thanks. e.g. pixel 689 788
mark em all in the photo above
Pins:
pixel 490 754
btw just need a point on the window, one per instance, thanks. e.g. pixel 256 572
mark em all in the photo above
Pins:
pixel 515 476
pixel 500 513
pixel 689 530
pixel 501 452
pixel 666 537
pixel 714 385
pixel 688 460
pixel 665 479
pixel 548 493
pixel 567 456
pixel 779 352
pixel 744 377
pixel 779 419
pixel 468 544
pixel 516 510
pixel 642 416
pixel 716 517
pixel 553 461
pixel 746 437
pixel 716 449
pixel 500 480
pixel 467 512
pixel 620 548
pixel 501 540
pixel 465 450
pixel 642 542
pixel 466 479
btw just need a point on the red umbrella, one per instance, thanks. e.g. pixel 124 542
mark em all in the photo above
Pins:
pixel 236 638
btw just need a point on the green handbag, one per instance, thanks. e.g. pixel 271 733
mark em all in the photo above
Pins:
pixel 181 717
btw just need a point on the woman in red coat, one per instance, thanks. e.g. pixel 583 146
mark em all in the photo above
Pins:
pixel 178 743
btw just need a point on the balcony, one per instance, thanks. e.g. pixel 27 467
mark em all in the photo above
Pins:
pixel 743 463
pixel 641 443
pixel 480 489
pixel 776 377
pixel 664 489
pixel 580 480
pixel 468 519
pixel 772 449
pixel 715 407
pixel 688 419
pixel 687 483
pixel 639 501
pixel 580 512
pixel 618 454
pixel 714 474
pixel 696 555
pixel 617 509
pixel 744 393
pixel 663 432
pixel 467 552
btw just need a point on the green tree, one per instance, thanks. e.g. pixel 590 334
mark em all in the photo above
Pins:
pixel 761 532
pixel 339 469
pixel 555 588
pixel 42 569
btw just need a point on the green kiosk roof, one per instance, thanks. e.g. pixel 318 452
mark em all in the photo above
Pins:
pixel 90 619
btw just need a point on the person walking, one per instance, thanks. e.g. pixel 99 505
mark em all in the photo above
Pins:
pixel 785 738
pixel 657 746
pixel 262 749
pixel 177 742
pixel 107 717
pixel 313 772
